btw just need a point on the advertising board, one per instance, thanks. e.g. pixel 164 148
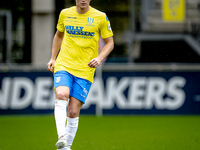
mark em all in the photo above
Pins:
pixel 128 92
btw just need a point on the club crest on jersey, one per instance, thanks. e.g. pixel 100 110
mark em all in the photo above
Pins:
pixel 90 20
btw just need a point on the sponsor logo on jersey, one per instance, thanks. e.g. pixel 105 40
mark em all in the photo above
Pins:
pixel 72 17
pixel 78 30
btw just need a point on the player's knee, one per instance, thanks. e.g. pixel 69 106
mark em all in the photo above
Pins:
pixel 72 113
pixel 62 96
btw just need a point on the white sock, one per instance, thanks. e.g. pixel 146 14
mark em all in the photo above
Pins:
pixel 60 114
pixel 71 128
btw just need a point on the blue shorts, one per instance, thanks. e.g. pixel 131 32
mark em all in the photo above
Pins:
pixel 79 88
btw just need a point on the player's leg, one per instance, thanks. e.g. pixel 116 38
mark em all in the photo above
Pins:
pixel 62 95
pixel 78 94
pixel 62 84
pixel 72 119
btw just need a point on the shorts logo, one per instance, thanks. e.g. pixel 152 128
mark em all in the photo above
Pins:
pixel 85 91
pixel 58 79
pixel 90 20
pixel 83 96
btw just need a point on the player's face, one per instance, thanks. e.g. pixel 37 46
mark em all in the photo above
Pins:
pixel 83 4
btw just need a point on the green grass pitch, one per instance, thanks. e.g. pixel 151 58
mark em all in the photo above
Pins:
pixel 103 133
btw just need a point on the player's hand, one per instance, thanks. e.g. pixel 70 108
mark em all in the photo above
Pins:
pixel 50 65
pixel 94 63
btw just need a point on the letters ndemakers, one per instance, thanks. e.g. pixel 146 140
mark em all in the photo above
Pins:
pixel 142 93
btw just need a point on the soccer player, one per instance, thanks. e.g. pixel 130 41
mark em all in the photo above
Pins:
pixel 77 36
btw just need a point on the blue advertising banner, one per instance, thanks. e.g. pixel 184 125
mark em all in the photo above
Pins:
pixel 127 92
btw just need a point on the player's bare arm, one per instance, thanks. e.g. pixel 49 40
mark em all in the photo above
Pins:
pixel 57 41
pixel 105 52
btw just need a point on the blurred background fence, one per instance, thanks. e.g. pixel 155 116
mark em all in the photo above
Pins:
pixel 154 68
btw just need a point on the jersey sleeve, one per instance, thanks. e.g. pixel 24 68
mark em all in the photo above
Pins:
pixel 60 24
pixel 105 30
